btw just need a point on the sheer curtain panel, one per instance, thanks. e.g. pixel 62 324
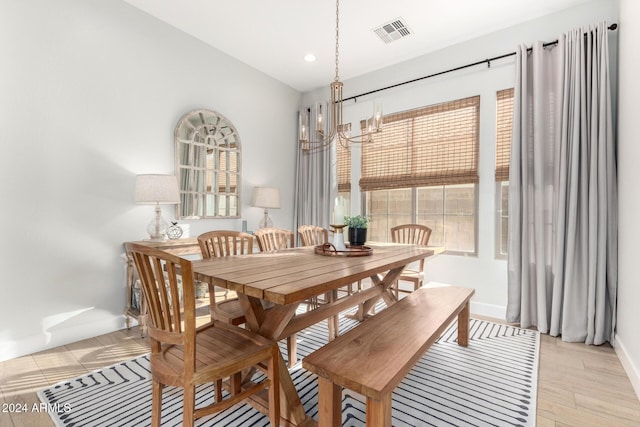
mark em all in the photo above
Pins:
pixel 562 190
pixel 316 180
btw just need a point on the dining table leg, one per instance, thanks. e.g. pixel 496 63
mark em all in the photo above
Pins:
pixel 270 324
pixel 333 321
pixel 386 283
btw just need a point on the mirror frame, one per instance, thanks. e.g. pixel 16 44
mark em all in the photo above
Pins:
pixel 208 130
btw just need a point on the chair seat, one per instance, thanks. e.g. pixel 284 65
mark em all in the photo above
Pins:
pixel 230 311
pixel 410 274
pixel 220 350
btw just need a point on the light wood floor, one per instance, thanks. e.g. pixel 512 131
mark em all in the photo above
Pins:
pixel 578 385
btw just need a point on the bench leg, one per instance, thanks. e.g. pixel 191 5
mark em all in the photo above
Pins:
pixel 379 412
pixel 329 403
pixel 463 326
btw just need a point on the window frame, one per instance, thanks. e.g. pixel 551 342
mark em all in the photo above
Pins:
pixel 414 214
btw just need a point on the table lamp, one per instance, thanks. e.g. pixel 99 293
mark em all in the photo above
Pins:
pixel 265 197
pixel 156 190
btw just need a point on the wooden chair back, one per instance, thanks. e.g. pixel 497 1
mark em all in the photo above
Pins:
pixel 221 243
pixel 272 239
pixel 312 235
pixel 411 233
pixel 218 244
pixel 171 318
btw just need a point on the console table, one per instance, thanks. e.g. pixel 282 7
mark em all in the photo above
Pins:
pixel 187 246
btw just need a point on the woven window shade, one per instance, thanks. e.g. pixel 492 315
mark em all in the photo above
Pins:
pixel 344 168
pixel 504 127
pixel 428 146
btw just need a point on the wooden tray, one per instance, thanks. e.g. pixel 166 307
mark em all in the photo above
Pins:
pixel 329 250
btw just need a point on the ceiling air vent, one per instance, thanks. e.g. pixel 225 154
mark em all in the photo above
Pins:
pixel 393 30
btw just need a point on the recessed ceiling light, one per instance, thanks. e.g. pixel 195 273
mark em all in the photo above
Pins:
pixel 310 57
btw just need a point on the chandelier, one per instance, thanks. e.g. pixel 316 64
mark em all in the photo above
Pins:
pixel 337 129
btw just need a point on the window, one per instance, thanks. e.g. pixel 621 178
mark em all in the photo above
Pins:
pixel 423 168
pixel 504 127
pixel 449 210
pixel 386 209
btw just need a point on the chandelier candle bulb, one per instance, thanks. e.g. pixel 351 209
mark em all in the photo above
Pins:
pixel 377 116
pixel 319 120
pixel 302 125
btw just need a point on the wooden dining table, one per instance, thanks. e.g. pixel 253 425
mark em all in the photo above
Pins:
pixel 289 277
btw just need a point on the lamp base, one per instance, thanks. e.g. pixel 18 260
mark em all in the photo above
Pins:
pixel 265 221
pixel 157 228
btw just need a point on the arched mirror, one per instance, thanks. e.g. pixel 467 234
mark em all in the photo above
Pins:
pixel 207 166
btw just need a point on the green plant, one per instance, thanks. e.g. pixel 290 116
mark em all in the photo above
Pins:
pixel 357 221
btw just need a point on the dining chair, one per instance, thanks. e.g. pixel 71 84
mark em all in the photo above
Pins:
pixel 185 356
pixel 312 235
pixel 222 243
pixel 273 239
pixel 414 234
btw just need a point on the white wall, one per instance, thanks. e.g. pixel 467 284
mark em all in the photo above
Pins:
pixel 628 337
pixel 482 272
pixel 90 93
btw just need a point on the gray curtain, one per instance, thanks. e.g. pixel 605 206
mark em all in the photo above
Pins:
pixel 562 190
pixel 316 183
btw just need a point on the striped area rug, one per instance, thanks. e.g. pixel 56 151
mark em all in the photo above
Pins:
pixel 490 383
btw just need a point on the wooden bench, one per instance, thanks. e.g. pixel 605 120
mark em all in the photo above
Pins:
pixel 375 356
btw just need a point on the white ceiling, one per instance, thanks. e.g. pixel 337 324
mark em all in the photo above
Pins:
pixel 273 36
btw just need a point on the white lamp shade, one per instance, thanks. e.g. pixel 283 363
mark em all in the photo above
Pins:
pixel 265 197
pixel 152 189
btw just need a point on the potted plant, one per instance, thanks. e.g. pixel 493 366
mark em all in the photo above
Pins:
pixel 357 229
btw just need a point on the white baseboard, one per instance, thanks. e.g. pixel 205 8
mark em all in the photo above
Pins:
pixel 489 310
pixel 498 312
pixel 632 371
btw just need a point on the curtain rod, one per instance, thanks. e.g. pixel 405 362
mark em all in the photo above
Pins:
pixel 487 61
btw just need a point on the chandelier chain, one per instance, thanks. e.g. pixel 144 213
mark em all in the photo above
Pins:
pixel 337 78
pixel 327 131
